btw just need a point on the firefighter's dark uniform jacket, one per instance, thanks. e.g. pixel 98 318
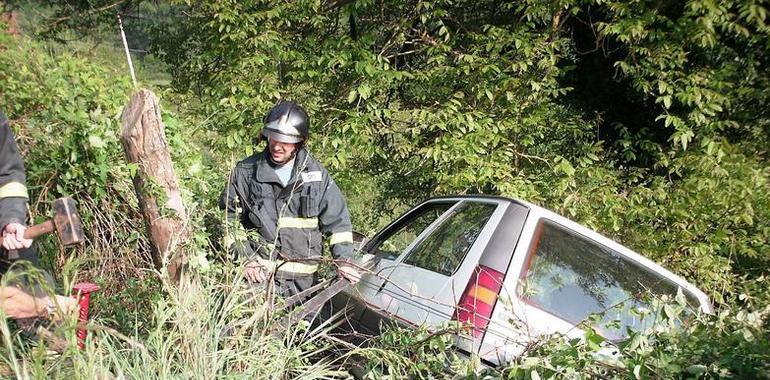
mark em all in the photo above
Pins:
pixel 291 220
pixel 13 191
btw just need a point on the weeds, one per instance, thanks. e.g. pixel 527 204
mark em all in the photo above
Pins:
pixel 207 327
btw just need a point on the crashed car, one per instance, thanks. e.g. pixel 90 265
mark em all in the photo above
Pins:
pixel 508 270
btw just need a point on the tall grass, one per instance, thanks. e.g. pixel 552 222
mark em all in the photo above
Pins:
pixel 208 326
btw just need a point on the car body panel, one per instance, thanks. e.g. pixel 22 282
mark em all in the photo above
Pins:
pixel 402 293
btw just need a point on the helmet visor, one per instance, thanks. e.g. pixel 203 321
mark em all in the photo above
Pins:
pixel 280 137
pixel 282 130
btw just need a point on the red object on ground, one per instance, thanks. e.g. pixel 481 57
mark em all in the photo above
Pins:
pixel 83 292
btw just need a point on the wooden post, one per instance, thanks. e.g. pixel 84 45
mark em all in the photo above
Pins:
pixel 11 20
pixel 144 142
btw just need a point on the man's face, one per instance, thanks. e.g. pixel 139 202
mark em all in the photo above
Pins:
pixel 281 153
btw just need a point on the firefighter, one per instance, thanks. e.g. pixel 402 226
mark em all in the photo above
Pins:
pixel 13 191
pixel 15 302
pixel 291 202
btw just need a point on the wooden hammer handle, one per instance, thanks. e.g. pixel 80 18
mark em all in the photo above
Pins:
pixel 39 229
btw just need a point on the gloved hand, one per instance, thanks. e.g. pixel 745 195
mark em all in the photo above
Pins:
pixel 13 237
pixel 348 271
pixel 254 272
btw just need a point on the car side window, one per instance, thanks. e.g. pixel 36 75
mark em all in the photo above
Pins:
pixel 572 277
pixel 395 242
pixel 445 248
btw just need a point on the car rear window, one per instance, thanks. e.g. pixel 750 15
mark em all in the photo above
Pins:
pixel 572 277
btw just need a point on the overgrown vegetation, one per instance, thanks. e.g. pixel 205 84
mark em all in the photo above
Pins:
pixel 644 120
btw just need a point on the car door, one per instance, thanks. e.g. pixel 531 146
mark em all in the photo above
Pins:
pixel 362 302
pixel 424 284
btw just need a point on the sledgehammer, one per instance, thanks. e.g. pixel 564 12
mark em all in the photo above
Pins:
pixel 66 223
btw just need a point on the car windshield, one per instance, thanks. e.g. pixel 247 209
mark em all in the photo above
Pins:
pixel 573 277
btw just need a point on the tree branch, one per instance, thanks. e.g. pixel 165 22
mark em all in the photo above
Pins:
pixel 88 13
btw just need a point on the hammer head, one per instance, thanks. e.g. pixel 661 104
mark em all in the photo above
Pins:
pixel 69 228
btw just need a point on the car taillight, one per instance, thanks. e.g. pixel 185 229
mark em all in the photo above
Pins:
pixel 478 300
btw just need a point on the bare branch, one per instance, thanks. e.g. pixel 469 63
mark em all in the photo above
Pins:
pixel 88 13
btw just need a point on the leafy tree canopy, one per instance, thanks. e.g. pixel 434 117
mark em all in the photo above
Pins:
pixel 645 120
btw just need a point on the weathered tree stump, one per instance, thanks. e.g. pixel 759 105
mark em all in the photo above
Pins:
pixel 11 20
pixel 157 188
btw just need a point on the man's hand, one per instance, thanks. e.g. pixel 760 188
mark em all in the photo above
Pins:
pixel 348 271
pixel 254 272
pixel 13 237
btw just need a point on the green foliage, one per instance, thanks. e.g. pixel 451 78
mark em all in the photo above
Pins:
pixel 206 327
pixel 643 120
pixel 129 306
pixel 444 97
pixel 385 91
pixel 406 353
pixel 65 111
pixel 680 345
pixel 703 64
pixel 410 100
pixel 67 103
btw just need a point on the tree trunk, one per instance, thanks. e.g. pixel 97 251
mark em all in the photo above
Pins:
pixel 144 142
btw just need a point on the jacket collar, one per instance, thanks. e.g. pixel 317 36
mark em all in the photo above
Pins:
pixel 265 173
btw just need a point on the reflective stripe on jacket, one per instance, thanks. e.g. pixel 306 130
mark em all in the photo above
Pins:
pixel 294 217
pixel 13 189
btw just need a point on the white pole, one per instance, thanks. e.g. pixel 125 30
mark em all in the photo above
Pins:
pixel 128 54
